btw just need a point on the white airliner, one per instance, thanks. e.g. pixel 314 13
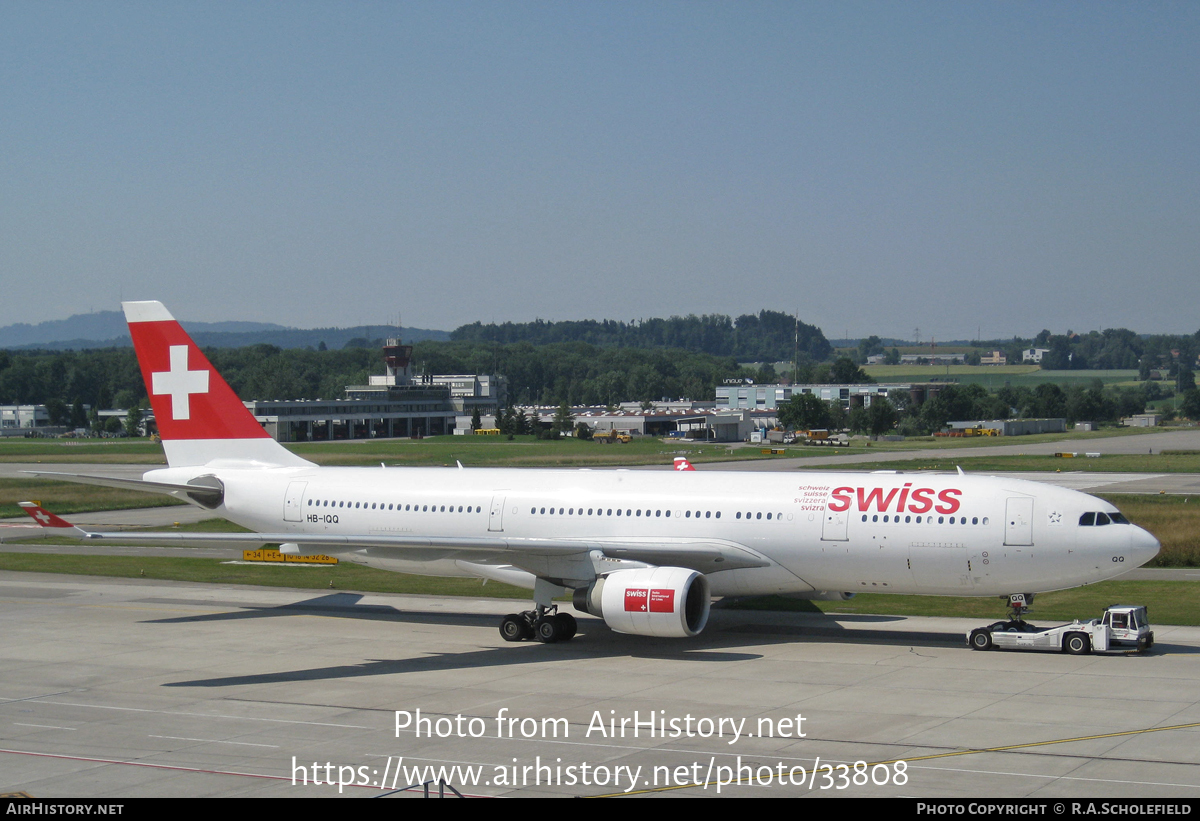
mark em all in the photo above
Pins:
pixel 644 550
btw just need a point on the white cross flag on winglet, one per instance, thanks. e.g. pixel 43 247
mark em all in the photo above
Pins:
pixel 180 383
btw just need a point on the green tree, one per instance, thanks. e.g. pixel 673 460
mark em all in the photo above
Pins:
pixel 1186 379
pixel 57 410
pixel 476 422
pixel 871 346
pixel 133 421
pixel 563 420
pixel 804 411
pixel 857 420
pixel 846 372
pixel 1191 404
pixel 78 417
pixel 881 416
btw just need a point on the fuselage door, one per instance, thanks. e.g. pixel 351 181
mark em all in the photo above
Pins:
pixel 496 516
pixel 292 502
pixel 1018 521
pixel 835 526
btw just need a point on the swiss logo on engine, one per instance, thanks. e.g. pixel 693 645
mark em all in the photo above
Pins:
pixel 635 600
pixel 641 600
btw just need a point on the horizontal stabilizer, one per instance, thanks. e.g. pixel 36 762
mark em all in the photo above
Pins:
pixel 204 490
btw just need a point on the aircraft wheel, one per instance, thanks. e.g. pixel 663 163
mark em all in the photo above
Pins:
pixel 514 628
pixel 1077 644
pixel 547 630
pixel 981 640
pixel 566 626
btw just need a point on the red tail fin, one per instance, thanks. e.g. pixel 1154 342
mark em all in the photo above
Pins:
pixel 199 416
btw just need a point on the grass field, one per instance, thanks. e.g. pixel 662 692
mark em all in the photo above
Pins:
pixel 1174 521
pixel 523 451
pixel 122 451
pixel 67 497
pixel 1169 602
pixel 344 576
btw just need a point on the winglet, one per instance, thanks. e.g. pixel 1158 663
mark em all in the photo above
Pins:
pixel 49 521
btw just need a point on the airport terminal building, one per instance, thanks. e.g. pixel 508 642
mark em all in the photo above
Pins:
pixel 396 404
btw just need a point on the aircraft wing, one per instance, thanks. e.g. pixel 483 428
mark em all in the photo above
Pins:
pixel 706 556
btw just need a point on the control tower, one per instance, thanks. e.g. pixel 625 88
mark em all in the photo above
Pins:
pixel 398 360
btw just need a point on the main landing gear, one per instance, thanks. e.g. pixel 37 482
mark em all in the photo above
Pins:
pixel 545 624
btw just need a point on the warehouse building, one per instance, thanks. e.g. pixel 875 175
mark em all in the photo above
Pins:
pixel 769 397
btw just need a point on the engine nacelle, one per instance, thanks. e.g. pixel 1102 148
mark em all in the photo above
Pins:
pixel 667 602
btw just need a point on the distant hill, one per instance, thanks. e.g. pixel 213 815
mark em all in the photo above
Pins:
pixel 107 329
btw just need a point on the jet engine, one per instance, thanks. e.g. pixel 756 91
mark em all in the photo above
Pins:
pixel 667 602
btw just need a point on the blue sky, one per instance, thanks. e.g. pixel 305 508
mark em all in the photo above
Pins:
pixel 961 168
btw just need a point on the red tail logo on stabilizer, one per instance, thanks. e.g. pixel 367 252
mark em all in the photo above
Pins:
pixel 189 397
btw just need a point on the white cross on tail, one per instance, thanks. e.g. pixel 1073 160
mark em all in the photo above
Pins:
pixel 180 383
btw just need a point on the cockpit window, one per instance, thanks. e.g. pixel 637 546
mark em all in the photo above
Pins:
pixel 1101 518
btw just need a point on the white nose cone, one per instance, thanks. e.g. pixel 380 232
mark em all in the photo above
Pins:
pixel 1142 546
